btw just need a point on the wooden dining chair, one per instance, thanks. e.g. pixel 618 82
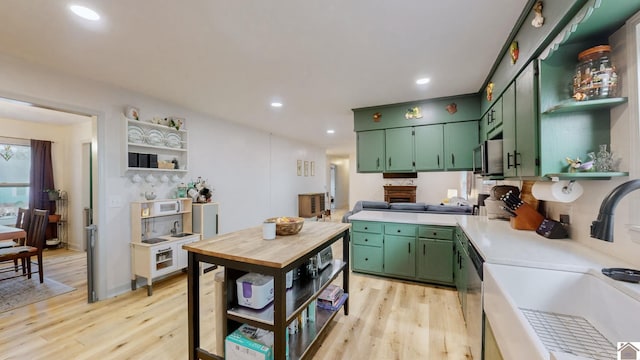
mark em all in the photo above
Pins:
pixel 22 221
pixel 34 244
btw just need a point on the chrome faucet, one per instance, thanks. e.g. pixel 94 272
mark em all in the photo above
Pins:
pixel 603 227
pixel 174 231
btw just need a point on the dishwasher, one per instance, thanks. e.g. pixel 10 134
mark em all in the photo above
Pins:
pixel 474 312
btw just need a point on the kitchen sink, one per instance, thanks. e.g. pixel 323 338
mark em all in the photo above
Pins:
pixel 553 314
pixel 179 235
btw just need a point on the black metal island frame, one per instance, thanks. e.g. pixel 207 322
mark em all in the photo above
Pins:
pixel 245 251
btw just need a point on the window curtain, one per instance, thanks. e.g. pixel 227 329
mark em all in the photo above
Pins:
pixel 41 176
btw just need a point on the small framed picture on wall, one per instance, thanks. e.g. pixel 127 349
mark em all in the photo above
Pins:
pixel 299 167
pixel 306 168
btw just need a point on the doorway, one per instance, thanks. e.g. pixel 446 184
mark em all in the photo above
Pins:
pixel 72 134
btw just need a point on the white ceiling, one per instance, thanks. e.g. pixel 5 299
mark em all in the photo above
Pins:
pixel 231 59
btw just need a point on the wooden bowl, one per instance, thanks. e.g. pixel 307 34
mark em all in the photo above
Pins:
pixel 287 225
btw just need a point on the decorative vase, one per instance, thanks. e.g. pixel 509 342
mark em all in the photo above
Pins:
pixel 604 159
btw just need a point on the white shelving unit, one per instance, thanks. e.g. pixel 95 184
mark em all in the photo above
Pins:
pixel 166 142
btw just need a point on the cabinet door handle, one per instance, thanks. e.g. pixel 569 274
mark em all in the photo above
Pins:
pixel 434 233
pixel 366 259
pixel 438 157
pixel 409 247
pixel 453 159
pixel 378 162
pixel 399 230
pixel 365 240
pixel 424 249
pixel 389 161
pixel 366 228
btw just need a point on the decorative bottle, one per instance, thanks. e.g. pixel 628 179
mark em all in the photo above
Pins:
pixel 603 159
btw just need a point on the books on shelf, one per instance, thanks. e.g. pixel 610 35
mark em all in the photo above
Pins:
pixel 332 297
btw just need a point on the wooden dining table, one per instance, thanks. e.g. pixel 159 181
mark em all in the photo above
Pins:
pixel 8 233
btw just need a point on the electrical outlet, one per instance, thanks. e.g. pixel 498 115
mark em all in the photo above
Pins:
pixel 564 219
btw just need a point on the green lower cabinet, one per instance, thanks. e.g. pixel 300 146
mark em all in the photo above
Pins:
pixel 415 252
pixel 399 255
pixel 366 258
pixel 435 260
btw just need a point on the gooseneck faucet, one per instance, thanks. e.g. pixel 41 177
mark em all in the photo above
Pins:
pixel 603 227
pixel 174 231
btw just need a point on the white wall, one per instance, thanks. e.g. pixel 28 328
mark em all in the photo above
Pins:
pixel 253 172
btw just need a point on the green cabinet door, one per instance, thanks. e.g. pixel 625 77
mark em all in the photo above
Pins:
pixel 366 259
pixel 399 149
pixel 399 255
pixel 435 260
pixel 459 141
pixel 527 122
pixel 509 130
pixel 429 147
pixel 484 126
pixel 494 127
pixel 370 147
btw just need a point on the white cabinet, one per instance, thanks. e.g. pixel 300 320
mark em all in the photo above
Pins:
pixel 205 219
pixel 154 147
pixel 181 254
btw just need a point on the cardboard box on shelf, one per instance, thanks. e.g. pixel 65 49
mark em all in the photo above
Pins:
pixel 249 343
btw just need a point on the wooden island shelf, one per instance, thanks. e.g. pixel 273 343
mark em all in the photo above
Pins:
pixel 245 251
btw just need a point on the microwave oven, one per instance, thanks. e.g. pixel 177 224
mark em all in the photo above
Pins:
pixel 167 207
pixel 487 158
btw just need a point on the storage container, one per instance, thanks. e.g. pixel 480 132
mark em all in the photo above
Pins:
pixel 254 290
pixel 596 76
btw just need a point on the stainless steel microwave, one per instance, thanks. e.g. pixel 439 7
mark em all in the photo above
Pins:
pixel 487 158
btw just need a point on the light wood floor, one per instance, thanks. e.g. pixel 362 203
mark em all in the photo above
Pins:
pixel 389 319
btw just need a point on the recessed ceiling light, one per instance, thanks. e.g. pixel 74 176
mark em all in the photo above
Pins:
pixel 276 104
pixel 330 131
pixel 85 12
pixel 422 81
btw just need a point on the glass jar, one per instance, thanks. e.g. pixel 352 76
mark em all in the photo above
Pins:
pixel 595 76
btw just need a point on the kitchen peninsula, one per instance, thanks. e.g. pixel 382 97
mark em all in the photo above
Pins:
pixel 563 277
pixel 245 251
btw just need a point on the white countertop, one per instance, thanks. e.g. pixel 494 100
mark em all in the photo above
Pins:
pixel 498 243
pixel 406 217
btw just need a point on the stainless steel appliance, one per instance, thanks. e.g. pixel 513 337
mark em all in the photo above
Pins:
pixel 487 158
pixel 474 311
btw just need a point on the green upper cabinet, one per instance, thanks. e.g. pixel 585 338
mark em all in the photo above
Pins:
pixel 509 130
pixel 459 141
pixel 431 111
pixel 526 154
pixel 399 149
pixel 520 125
pixel 370 146
pixel 429 147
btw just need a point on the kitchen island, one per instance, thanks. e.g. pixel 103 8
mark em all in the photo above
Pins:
pixel 245 251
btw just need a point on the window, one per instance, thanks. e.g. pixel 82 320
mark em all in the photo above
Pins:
pixel 15 166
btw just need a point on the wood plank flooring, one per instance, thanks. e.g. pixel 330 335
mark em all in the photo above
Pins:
pixel 388 319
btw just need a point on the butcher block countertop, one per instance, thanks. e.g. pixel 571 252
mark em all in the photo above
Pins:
pixel 248 246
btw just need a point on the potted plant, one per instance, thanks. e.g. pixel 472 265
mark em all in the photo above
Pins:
pixel 53 194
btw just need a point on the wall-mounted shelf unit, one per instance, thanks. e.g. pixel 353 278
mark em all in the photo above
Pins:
pixel 149 147
pixel 570 128
pixel 586 175
pixel 573 106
